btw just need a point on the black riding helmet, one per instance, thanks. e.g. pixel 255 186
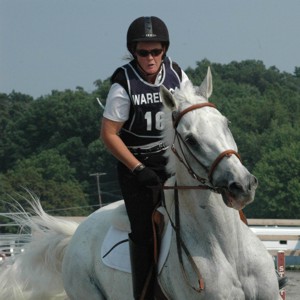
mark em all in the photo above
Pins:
pixel 147 29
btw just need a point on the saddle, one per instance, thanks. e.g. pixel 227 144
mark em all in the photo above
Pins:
pixel 115 248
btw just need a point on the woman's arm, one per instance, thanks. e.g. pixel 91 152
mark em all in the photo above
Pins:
pixel 111 139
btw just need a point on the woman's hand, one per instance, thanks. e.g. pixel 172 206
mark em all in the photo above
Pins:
pixel 147 177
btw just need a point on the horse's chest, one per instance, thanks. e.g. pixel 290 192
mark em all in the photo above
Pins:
pixel 180 279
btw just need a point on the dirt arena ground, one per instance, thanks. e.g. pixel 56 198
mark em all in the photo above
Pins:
pixel 293 286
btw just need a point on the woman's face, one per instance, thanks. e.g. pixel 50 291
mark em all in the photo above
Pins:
pixel 149 56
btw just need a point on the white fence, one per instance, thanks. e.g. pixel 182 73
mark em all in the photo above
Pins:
pixel 12 244
pixel 276 234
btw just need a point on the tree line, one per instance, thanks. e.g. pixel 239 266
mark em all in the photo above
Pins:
pixel 51 146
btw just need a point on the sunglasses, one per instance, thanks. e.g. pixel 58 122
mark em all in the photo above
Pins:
pixel 145 53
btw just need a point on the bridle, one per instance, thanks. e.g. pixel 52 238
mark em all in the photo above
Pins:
pixel 206 183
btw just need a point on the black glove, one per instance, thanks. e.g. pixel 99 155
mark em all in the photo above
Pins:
pixel 146 177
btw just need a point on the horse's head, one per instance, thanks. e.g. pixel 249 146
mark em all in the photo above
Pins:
pixel 204 146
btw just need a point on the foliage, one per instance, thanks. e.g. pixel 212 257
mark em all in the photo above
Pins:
pixel 50 176
pixel 51 145
pixel 279 172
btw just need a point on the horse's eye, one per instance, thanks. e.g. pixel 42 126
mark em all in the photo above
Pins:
pixel 191 140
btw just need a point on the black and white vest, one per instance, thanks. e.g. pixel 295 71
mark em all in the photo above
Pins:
pixel 146 119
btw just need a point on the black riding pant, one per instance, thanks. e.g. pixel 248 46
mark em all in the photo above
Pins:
pixel 140 201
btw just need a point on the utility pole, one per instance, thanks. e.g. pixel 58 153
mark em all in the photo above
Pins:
pixel 98 185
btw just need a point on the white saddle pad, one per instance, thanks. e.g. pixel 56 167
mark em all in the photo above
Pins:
pixel 118 257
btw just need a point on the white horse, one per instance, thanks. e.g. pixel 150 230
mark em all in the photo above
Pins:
pixel 212 255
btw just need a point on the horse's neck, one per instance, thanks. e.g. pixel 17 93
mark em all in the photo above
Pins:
pixel 204 217
pixel 203 212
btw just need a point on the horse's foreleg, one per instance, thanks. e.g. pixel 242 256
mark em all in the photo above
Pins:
pixel 85 289
pixel 80 282
pixel 81 285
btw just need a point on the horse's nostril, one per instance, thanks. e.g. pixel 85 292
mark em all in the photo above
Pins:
pixel 235 187
pixel 253 183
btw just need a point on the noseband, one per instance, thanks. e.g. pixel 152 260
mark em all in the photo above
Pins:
pixel 206 182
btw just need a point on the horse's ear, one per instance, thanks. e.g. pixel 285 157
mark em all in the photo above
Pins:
pixel 167 98
pixel 206 88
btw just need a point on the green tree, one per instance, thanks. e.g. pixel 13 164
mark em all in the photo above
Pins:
pixel 12 107
pixel 279 181
pixel 51 178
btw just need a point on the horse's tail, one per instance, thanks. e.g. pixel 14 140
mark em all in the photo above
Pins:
pixel 35 274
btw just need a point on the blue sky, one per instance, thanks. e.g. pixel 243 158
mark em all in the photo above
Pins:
pixel 50 45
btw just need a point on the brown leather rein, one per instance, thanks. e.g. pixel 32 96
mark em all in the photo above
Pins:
pixel 206 184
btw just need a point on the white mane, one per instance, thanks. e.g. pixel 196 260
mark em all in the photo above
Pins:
pixel 188 93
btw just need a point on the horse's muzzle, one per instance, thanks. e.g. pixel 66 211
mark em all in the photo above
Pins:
pixel 238 195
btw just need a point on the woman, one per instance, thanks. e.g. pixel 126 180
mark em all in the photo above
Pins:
pixel 132 131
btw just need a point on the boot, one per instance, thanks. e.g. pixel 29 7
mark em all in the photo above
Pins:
pixel 282 281
pixel 142 269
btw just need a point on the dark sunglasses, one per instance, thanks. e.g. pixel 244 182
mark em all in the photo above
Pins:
pixel 145 53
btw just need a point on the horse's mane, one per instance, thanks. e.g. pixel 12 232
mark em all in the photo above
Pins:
pixel 185 95
pixel 188 93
